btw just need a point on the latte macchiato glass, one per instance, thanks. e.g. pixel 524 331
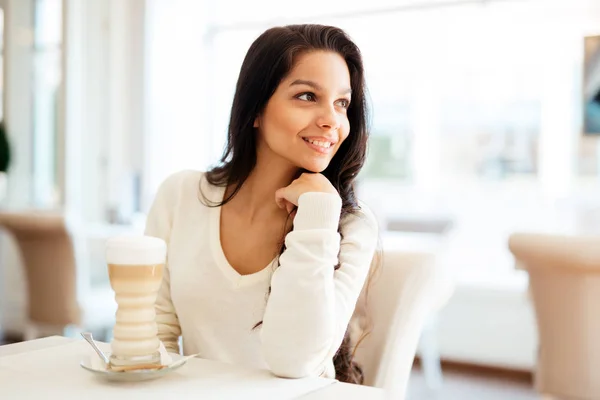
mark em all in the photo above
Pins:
pixel 135 269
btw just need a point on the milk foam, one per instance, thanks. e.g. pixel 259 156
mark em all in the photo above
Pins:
pixel 135 250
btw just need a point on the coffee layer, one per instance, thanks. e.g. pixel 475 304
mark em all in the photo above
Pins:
pixel 136 288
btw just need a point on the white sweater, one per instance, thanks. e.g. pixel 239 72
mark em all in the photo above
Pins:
pixel 214 308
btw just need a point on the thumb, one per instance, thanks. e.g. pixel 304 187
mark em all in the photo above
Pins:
pixel 289 207
pixel 280 198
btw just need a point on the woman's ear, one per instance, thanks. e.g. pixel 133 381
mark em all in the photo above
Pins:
pixel 256 122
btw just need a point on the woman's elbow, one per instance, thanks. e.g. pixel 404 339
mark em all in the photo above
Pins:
pixel 286 367
pixel 289 371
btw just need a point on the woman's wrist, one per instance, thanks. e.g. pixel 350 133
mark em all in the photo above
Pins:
pixel 318 210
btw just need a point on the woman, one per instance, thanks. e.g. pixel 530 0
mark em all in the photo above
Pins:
pixel 233 288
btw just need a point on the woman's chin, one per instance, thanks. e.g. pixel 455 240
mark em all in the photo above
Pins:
pixel 316 167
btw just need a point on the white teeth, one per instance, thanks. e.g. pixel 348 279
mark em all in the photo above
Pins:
pixel 325 145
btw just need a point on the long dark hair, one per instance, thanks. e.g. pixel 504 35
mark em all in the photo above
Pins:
pixel 268 61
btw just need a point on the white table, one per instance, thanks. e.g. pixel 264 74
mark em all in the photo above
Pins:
pixel 330 392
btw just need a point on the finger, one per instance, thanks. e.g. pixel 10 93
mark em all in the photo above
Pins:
pixel 289 207
pixel 300 172
pixel 280 197
pixel 305 175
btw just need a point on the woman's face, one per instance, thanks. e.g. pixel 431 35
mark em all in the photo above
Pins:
pixel 306 121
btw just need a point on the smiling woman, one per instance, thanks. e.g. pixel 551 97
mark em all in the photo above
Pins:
pixel 306 121
pixel 278 216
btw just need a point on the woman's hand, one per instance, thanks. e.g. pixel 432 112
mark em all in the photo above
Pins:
pixel 288 196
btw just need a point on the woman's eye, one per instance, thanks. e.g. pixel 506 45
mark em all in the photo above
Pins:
pixel 344 103
pixel 306 96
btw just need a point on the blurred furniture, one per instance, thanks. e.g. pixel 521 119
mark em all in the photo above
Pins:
pixel 425 235
pixel 433 224
pixel 403 293
pixel 59 300
pixel 564 281
pixel 435 227
pixel 32 369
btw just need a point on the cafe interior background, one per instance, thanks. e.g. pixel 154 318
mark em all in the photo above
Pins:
pixel 485 122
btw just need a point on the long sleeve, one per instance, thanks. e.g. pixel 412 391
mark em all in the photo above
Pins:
pixel 311 304
pixel 159 224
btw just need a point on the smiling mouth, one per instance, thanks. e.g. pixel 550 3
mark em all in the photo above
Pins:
pixel 319 144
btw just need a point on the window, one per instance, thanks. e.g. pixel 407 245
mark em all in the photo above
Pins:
pixel 477 97
pixel 47 52
pixel 588 152
pixel 473 110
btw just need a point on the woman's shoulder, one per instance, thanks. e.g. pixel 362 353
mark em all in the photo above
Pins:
pixel 181 178
pixel 187 184
pixel 179 181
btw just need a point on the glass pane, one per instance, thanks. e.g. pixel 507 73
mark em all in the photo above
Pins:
pixel 46 81
pixel 1 29
pixel 438 84
pixel 229 49
pixel 48 23
pixel 591 85
pixel 1 86
pixel 589 147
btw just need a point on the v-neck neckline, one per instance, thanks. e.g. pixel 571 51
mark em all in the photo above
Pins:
pixel 217 248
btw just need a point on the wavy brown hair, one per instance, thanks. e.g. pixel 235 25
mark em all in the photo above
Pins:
pixel 268 61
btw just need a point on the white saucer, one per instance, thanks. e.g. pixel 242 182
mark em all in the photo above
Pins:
pixel 130 376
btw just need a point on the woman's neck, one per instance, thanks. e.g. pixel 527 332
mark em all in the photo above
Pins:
pixel 256 197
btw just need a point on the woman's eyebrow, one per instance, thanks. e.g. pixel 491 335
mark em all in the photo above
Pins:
pixel 315 85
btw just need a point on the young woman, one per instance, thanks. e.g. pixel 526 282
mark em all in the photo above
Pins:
pixel 268 251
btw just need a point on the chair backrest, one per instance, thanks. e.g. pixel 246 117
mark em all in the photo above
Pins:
pixel 49 261
pixel 564 281
pixel 403 292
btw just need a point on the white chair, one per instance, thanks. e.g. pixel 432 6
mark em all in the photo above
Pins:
pixel 55 305
pixel 403 293
pixel 564 282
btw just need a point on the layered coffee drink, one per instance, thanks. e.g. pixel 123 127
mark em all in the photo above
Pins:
pixel 135 269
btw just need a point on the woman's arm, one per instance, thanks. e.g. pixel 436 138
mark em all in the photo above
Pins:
pixel 310 304
pixel 159 225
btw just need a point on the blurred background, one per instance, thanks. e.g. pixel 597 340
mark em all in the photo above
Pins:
pixel 485 121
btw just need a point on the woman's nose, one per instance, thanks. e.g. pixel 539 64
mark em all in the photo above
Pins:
pixel 328 119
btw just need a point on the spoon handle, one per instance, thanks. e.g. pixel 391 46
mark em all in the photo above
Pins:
pixel 183 360
pixel 90 339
